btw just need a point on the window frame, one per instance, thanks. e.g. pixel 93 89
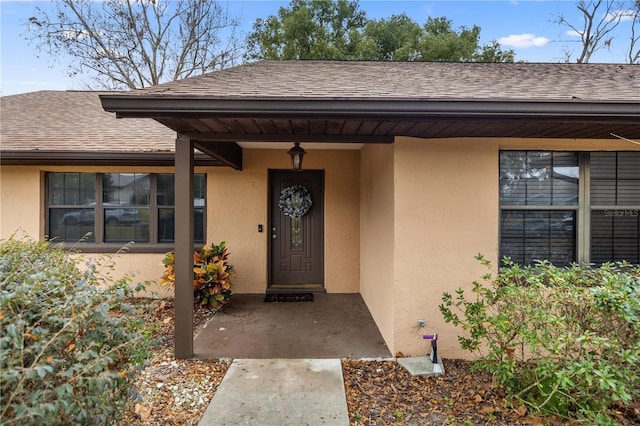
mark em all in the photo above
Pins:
pixel 583 209
pixel 99 245
pixel 541 207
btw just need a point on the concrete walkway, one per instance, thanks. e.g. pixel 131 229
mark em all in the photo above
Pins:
pixel 280 392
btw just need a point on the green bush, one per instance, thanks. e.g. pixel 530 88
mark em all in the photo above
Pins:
pixel 212 275
pixel 563 341
pixel 70 344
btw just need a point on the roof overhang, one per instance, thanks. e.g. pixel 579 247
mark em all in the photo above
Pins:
pixel 364 109
pixel 214 120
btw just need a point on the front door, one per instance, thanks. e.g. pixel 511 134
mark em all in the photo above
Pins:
pixel 296 230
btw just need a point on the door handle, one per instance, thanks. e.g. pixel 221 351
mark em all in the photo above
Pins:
pixel 274 236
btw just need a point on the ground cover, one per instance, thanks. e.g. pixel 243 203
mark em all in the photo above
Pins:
pixel 171 392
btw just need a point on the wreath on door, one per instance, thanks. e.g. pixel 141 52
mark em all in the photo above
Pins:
pixel 295 201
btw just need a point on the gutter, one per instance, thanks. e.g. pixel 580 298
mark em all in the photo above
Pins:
pixel 367 109
pixel 96 158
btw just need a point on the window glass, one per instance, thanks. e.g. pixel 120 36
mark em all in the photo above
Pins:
pixel 615 200
pixel 538 178
pixel 615 236
pixel 615 178
pixel 530 235
pixel 71 189
pixel 71 201
pixel 125 200
pixel 166 207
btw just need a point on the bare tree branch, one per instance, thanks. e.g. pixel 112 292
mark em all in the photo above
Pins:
pixel 599 19
pixel 128 44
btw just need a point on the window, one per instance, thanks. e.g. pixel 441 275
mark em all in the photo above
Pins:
pixel 118 207
pixel 539 201
pixel 615 207
pixel 549 210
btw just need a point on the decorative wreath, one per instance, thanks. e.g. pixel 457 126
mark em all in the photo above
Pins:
pixel 295 201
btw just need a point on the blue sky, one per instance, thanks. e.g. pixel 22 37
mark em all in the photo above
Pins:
pixel 524 26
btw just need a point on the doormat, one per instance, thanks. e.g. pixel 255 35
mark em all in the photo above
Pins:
pixel 288 297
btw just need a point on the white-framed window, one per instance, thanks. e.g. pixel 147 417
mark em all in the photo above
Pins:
pixel 570 206
pixel 117 207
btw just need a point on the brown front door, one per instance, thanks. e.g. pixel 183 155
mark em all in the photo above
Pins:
pixel 296 230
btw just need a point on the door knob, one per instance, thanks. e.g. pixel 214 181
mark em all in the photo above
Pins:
pixel 274 236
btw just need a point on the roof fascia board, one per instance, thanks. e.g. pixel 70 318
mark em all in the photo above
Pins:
pixel 175 106
pixel 96 158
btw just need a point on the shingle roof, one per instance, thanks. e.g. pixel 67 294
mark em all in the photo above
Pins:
pixel 412 80
pixel 75 121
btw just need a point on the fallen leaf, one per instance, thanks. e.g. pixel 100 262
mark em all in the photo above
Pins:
pixel 521 411
pixel 478 398
pixel 142 411
pixel 535 421
pixel 167 320
pixel 487 409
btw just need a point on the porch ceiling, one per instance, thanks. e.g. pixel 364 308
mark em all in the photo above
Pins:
pixel 373 121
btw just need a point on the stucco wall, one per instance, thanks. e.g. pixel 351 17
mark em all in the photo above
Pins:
pixel 249 248
pixel 20 194
pixel 236 204
pixel 377 242
pixel 446 199
pixel 446 211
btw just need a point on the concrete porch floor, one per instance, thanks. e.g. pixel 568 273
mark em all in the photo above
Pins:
pixel 332 326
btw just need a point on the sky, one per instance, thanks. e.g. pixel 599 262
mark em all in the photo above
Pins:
pixel 525 26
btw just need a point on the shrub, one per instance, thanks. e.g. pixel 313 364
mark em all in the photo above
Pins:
pixel 212 275
pixel 70 343
pixel 562 341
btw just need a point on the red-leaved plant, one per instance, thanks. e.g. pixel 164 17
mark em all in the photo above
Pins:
pixel 212 275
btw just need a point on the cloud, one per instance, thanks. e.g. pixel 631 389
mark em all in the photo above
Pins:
pixel 573 33
pixel 621 15
pixel 523 40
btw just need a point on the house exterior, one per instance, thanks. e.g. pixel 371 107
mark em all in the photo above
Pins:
pixel 411 170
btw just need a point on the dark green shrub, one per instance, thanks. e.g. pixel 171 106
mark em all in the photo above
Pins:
pixel 562 341
pixel 212 275
pixel 70 343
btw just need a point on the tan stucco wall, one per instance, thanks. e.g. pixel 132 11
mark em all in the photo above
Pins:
pixel 20 211
pixel 249 248
pixel 377 242
pixel 446 211
pixel 236 204
pixel 446 202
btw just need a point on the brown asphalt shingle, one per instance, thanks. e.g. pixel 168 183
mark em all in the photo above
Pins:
pixel 413 80
pixel 74 121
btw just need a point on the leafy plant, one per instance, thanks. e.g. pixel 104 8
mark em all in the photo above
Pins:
pixel 69 340
pixel 212 275
pixel 562 341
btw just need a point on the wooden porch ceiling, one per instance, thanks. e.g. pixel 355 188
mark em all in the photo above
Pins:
pixel 384 131
pixel 218 137
pixel 215 125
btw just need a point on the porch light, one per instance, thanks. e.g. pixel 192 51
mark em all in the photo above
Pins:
pixel 296 153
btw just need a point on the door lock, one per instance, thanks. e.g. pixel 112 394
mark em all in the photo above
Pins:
pixel 274 236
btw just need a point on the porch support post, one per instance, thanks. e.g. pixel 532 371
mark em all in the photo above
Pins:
pixel 183 248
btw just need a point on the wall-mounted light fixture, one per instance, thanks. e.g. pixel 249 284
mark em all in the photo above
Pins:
pixel 296 153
